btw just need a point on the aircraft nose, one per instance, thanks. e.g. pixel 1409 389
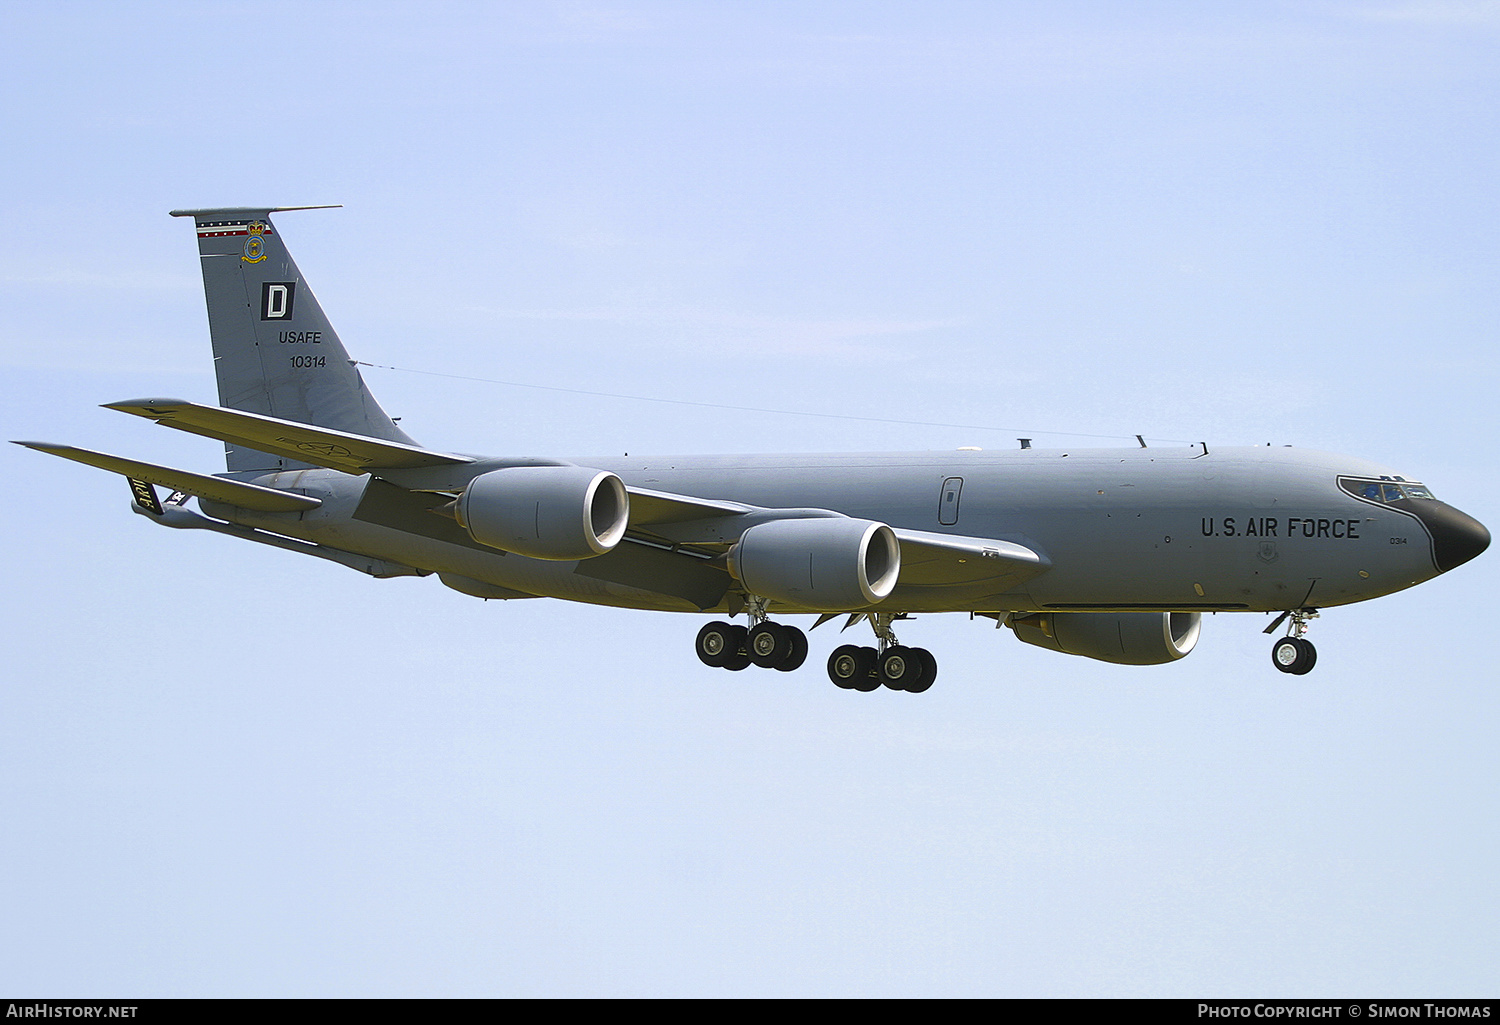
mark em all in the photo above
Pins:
pixel 1456 536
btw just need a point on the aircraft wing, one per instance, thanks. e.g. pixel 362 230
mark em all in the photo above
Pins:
pixel 649 507
pixel 929 559
pixel 215 489
pixel 321 446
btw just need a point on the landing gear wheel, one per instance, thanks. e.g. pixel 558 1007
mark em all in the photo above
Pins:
pixel 900 667
pixel 928 672
pixel 740 657
pixel 871 680
pixel 797 655
pixel 850 668
pixel 714 645
pixel 1294 655
pixel 769 644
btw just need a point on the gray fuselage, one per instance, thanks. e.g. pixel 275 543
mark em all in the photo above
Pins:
pixel 1123 529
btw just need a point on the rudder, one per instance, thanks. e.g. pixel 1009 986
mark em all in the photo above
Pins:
pixel 275 352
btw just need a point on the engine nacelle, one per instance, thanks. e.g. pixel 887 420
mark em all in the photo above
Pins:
pixel 546 512
pixel 828 564
pixel 1127 638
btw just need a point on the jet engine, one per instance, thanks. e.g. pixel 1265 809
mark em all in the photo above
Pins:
pixel 823 564
pixel 546 512
pixel 1127 638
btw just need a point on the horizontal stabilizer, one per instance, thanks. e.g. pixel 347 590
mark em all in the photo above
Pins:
pixel 321 446
pixel 215 489
pixel 230 211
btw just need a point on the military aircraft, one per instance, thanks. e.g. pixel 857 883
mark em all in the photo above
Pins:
pixel 1110 553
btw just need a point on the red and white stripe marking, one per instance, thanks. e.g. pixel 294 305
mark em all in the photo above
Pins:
pixel 220 229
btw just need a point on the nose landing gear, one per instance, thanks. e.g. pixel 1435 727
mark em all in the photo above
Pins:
pixel 1294 653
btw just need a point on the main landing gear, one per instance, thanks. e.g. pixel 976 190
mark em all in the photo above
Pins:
pixel 784 648
pixel 766 644
pixel 1294 653
pixel 893 665
pixel 898 667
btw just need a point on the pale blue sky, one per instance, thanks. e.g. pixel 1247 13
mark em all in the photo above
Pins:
pixel 230 771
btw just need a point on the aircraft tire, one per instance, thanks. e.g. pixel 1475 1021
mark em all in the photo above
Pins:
pixel 849 666
pixel 769 644
pixel 1295 655
pixel 871 678
pixel 741 657
pixel 928 675
pixel 798 653
pixel 714 644
pixel 900 666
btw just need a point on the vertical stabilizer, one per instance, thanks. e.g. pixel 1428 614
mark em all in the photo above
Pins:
pixel 274 351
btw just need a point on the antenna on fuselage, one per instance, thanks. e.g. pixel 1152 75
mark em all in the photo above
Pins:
pixel 1025 442
pixel 1141 440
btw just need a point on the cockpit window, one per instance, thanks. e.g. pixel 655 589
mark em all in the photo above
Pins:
pixel 1384 490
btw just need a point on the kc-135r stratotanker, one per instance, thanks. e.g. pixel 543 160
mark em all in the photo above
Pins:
pixel 1110 553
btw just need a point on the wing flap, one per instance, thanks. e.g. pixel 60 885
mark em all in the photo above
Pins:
pixel 321 446
pixel 215 489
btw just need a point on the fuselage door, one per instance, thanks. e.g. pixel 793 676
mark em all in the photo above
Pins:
pixel 948 501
